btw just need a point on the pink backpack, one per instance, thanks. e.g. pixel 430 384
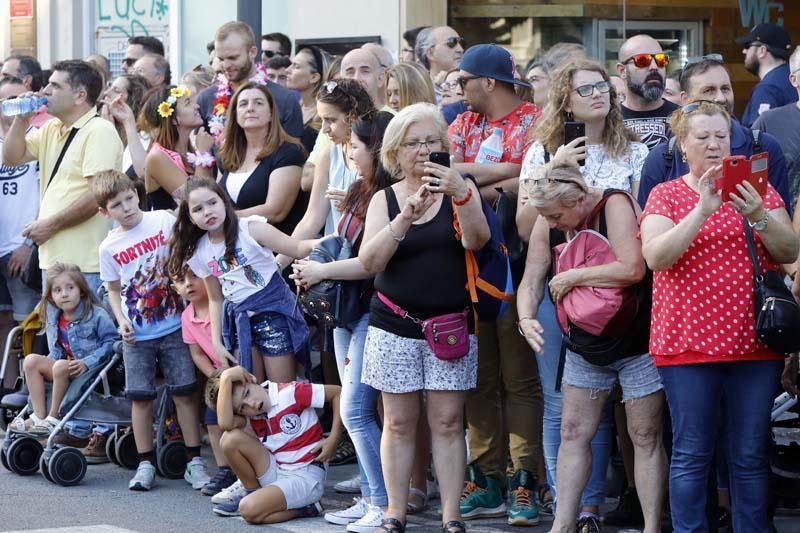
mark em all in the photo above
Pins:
pixel 601 311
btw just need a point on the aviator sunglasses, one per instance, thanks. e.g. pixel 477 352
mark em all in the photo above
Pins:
pixel 644 60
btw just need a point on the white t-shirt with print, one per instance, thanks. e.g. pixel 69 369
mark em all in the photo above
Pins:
pixel 137 258
pixel 600 170
pixel 19 201
pixel 252 268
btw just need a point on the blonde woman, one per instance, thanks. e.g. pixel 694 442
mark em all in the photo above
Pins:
pixel 406 84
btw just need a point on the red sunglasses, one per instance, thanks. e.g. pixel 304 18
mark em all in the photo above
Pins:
pixel 644 60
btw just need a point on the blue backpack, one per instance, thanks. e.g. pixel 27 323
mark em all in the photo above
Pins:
pixel 489 280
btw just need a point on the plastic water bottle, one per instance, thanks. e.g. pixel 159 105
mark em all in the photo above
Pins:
pixel 22 106
pixel 491 150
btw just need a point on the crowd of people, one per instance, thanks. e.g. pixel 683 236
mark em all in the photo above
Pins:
pixel 197 207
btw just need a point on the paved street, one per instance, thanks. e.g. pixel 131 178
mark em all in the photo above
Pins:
pixel 103 504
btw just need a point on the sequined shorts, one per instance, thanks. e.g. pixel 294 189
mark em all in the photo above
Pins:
pixel 270 334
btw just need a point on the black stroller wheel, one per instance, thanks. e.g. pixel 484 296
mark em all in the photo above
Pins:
pixel 4 459
pixel 125 451
pixel 23 456
pixel 111 448
pixel 44 468
pixel 67 466
pixel 171 459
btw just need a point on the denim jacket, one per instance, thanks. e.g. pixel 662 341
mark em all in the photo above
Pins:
pixel 275 297
pixel 91 339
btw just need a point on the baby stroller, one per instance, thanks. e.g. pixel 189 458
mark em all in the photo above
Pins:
pixel 14 398
pixel 785 452
pixel 95 396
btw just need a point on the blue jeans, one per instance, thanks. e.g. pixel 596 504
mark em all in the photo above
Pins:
pixel 595 491
pixel 83 428
pixel 359 408
pixel 747 390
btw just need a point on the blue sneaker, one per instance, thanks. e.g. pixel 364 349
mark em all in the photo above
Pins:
pixel 230 508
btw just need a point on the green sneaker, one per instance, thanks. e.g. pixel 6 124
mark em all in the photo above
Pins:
pixel 482 496
pixel 522 508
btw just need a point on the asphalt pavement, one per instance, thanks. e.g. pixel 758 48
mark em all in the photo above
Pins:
pixel 102 503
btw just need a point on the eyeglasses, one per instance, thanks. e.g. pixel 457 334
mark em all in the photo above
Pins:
pixel 587 90
pixel 462 81
pixel 452 42
pixel 450 85
pixel 694 106
pixel 707 57
pixel 416 146
pixel 644 60
pixel 269 54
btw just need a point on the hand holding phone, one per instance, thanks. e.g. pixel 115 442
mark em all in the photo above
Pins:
pixel 574 130
pixel 736 169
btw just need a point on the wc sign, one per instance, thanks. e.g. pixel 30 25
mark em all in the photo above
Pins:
pixel 756 12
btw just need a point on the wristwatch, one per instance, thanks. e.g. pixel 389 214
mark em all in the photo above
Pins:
pixel 761 225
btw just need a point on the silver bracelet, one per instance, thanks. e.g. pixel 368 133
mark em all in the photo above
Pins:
pixel 393 234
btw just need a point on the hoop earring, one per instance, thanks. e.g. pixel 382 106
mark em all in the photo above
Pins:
pixel 570 116
pixel 683 158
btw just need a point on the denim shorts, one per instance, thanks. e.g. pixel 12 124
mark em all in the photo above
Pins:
pixel 270 334
pixel 172 356
pixel 15 296
pixel 637 375
pixel 210 417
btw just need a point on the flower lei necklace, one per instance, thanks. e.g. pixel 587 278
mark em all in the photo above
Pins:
pixel 216 123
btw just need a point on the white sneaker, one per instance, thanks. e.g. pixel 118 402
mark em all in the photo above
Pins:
pixel 368 522
pixel 20 425
pixel 347 516
pixel 229 493
pixel 196 473
pixel 144 477
pixel 349 486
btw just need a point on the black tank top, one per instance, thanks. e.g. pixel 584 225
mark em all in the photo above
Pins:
pixel 426 276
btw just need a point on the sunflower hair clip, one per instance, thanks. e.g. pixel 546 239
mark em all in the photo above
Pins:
pixel 167 107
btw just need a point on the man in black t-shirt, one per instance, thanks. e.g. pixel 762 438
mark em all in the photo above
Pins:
pixel 643 66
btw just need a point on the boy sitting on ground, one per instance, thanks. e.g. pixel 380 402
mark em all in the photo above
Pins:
pixel 282 468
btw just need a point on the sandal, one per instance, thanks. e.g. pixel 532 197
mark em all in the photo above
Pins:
pixel 391 525
pixel 417 501
pixel 545 501
pixel 454 526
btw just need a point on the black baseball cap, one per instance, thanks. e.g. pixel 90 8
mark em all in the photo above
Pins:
pixel 771 35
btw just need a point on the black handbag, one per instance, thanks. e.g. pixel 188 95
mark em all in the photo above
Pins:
pixel 777 312
pixel 334 303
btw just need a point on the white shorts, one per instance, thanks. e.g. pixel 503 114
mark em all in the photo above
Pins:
pixel 300 486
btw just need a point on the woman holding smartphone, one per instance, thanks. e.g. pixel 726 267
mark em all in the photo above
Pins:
pixel 611 157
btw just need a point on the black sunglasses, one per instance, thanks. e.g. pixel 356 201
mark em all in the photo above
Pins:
pixel 129 61
pixel 451 42
pixel 694 106
pixel 270 54
pixel 462 81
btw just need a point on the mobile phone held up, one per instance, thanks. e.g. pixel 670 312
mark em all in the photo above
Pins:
pixel 736 169
pixel 573 130
pixel 440 158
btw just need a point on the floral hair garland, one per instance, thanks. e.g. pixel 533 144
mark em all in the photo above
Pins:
pixel 216 123
pixel 167 107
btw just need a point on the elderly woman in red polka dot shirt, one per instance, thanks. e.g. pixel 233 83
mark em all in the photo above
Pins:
pixel 703 324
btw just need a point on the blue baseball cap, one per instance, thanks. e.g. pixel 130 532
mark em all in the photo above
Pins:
pixel 771 35
pixel 490 61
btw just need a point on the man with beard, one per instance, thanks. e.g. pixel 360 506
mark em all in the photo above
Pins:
pixel 708 79
pixel 235 48
pixel 643 67
pixel 766 49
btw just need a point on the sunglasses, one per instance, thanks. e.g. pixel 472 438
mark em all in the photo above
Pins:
pixel 697 59
pixel 129 61
pixel 330 86
pixel 587 90
pixel 694 106
pixel 451 42
pixel 463 80
pixel 539 183
pixel 644 60
pixel 269 54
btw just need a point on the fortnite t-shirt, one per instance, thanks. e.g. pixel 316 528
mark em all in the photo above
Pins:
pixel 137 258
pixel 652 127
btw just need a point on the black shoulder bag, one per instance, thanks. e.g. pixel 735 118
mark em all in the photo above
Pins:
pixel 32 274
pixel 776 311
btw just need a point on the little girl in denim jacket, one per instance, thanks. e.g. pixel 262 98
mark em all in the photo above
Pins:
pixel 80 336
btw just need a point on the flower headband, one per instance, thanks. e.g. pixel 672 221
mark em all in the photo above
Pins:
pixel 167 107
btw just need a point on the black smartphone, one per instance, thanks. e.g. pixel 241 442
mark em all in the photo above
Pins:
pixel 440 158
pixel 573 130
